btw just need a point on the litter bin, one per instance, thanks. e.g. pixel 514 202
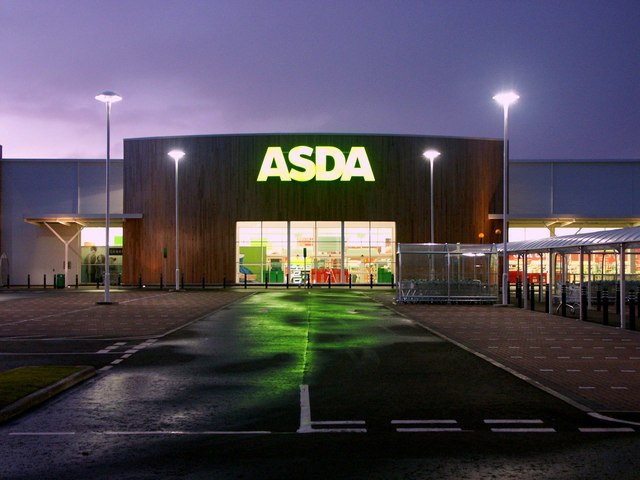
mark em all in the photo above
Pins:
pixel 58 280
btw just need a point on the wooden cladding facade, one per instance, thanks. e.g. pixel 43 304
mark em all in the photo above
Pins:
pixel 218 187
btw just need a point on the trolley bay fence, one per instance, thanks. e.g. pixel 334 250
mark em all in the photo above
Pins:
pixel 447 273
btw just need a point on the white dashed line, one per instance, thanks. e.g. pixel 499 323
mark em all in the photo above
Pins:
pixel 523 430
pixel 493 421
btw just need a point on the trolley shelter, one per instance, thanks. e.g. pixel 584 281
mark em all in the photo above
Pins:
pixel 447 273
pixel 577 263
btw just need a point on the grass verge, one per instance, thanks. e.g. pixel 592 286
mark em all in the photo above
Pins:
pixel 23 381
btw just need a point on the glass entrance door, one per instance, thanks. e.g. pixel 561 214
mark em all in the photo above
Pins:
pixel 335 252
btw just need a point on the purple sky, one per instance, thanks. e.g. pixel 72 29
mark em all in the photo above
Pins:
pixel 367 66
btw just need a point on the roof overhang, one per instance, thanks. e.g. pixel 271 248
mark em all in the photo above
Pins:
pixel 563 221
pixel 594 241
pixel 85 220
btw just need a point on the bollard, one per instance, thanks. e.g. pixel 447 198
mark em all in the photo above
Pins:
pixel 44 281
pixel 224 282
pixel 140 281
pixel 350 280
pixel 266 280
pixel 161 284
pixel 181 282
pixel 76 280
pixel 329 280
pixel 598 300
pixel 605 306
pixel 519 293
pixel 563 300
pixel 583 302
pixel 29 280
pixel 632 309
pixel 371 280
pixel 533 297
pixel 547 296
pixel 245 281
pixel 287 281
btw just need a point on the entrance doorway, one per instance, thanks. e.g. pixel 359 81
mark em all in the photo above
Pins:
pixel 337 252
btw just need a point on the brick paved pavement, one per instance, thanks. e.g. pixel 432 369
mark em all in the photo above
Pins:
pixel 75 314
pixel 593 365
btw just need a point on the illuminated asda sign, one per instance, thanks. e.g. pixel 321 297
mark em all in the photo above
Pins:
pixel 306 163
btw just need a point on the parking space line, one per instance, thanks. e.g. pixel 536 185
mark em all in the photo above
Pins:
pixel 523 430
pixel 493 421
pixel 307 425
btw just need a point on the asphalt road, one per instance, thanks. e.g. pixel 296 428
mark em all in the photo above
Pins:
pixel 303 384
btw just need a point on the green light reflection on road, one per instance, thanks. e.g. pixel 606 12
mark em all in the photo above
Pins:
pixel 290 329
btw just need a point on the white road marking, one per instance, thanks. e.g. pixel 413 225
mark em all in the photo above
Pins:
pixel 427 429
pixel 40 434
pixel 493 421
pixel 523 430
pixel 423 422
pixel 306 424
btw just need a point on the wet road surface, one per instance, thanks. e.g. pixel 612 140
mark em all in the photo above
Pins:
pixel 309 384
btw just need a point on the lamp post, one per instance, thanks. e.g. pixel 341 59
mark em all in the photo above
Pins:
pixel 108 98
pixel 431 155
pixel 177 156
pixel 505 99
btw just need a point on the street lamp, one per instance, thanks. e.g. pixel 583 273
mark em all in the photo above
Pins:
pixel 108 98
pixel 177 156
pixel 431 155
pixel 505 99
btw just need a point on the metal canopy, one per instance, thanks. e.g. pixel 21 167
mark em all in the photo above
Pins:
pixel 86 220
pixel 590 241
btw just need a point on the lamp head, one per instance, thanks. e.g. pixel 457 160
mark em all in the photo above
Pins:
pixel 176 155
pixel 431 155
pixel 108 97
pixel 506 98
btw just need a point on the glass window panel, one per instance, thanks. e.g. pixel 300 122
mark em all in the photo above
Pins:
pixel 262 252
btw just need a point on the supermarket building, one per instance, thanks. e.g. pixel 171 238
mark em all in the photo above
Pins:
pixel 277 208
